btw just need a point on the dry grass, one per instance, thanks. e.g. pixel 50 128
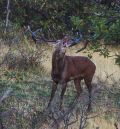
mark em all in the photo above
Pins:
pixel 101 123
pixel 32 88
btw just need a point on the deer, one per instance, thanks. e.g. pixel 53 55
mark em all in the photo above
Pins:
pixel 66 68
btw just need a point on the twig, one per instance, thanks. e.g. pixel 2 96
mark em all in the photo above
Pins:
pixel 85 45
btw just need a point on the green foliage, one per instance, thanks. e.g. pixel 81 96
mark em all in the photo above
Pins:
pixel 58 17
pixel 46 14
pixel 98 27
pixel 103 51
pixel 55 17
pixel 77 23
pixel 112 35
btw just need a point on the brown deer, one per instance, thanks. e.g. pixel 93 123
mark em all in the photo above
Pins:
pixel 66 68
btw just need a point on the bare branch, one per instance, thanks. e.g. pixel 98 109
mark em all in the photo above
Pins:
pixel 85 45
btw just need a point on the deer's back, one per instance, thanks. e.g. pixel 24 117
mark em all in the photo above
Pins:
pixel 79 65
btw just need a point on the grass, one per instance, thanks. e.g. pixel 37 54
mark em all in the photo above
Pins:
pixel 31 93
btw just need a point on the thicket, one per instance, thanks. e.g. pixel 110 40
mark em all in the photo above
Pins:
pixel 96 19
pixel 62 16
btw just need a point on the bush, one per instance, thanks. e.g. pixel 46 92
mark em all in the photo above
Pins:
pixel 23 56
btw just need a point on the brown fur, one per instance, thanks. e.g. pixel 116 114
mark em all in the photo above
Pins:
pixel 66 68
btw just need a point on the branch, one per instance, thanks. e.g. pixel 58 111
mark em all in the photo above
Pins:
pixel 85 45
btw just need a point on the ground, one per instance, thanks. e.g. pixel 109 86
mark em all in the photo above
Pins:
pixel 31 90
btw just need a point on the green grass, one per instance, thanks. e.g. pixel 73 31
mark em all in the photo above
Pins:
pixel 31 93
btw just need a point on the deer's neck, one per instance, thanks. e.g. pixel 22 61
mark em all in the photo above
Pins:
pixel 58 66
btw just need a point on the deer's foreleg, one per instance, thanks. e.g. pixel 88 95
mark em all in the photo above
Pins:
pixel 54 87
pixel 62 94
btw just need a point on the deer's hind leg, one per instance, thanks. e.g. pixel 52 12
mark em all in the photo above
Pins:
pixel 88 82
pixel 78 86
